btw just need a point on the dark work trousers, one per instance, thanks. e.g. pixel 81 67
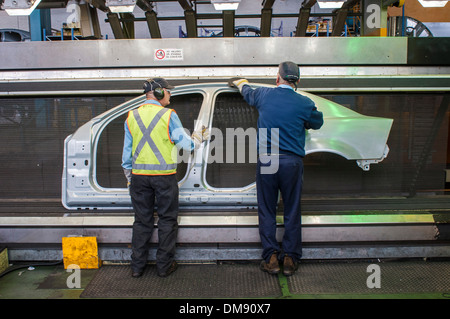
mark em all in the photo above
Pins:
pixel 144 190
pixel 285 175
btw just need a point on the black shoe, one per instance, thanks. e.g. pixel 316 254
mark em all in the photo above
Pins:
pixel 289 266
pixel 171 269
pixel 272 267
pixel 136 274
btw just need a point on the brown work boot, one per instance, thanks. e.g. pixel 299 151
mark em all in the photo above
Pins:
pixel 272 267
pixel 173 266
pixel 289 266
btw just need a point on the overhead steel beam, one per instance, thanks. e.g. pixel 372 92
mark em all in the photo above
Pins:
pixel 151 18
pixel 266 18
pixel 191 23
pixel 339 23
pixel 350 3
pixel 185 4
pixel 99 4
pixel 89 24
pixel 127 24
pixel 189 18
pixel 266 22
pixel 302 22
pixel 268 4
pixel 116 27
pixel 124 30
pixel 341 17
pixel 153 26
pixel 145 5
pixel 228 23
pixel 303 17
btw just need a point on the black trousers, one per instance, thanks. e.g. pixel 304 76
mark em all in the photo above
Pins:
pixel 146 192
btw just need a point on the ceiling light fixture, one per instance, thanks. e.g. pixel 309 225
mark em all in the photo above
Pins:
pixel 330 4
pixel 20 7
pixel 225 4
pixel 121 5
pixel 433 3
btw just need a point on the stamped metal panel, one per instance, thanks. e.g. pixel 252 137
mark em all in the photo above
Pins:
pixel 346 133
pixel 349 134
pixel 80 188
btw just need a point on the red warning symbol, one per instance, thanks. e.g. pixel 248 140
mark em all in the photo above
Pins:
pixel 160 54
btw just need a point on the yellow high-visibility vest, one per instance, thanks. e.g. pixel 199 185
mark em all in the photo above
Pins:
pixel 152 149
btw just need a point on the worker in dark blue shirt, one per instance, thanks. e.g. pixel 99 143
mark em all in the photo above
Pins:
pixel 284 115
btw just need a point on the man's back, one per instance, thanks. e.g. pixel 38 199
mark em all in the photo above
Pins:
pixel 283 109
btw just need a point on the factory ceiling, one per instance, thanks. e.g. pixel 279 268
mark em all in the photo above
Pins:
pixel 264 12
pixel 122 23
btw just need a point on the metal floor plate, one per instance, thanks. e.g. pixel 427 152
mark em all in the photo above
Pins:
pixel 352 278
pixel 189 281
pixel 248 281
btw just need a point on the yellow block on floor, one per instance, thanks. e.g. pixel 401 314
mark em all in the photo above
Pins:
pixel 4 263
pixel 80 251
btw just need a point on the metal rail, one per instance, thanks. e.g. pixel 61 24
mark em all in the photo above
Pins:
pixel 235 237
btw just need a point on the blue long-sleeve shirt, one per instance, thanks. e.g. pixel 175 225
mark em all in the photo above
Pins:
pixel 176 131
pixel 283 111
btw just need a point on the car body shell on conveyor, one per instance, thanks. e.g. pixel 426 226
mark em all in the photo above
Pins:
pixel 345 132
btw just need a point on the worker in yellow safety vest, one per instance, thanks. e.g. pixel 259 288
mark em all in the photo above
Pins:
pixel 149 160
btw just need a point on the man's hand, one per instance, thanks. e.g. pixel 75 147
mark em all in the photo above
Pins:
pixel 237 83
pixel 127 173
pixel 205 134
pixel 200 136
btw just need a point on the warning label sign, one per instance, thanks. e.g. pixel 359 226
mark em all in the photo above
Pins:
pixel 168 54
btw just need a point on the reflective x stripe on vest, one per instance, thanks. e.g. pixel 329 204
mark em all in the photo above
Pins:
pixel 163 166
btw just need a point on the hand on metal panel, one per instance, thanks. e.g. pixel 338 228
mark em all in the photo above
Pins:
pixel 237 83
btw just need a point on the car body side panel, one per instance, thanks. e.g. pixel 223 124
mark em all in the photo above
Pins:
pixel 365 140
pixel 345 132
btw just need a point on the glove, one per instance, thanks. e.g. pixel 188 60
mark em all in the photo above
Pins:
pixel 127 173
pixel 237 83
pixel 197 138
pixel 200 136
pixel 205 134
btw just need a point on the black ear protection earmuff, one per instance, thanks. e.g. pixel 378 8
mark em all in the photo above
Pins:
pixel 158 92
